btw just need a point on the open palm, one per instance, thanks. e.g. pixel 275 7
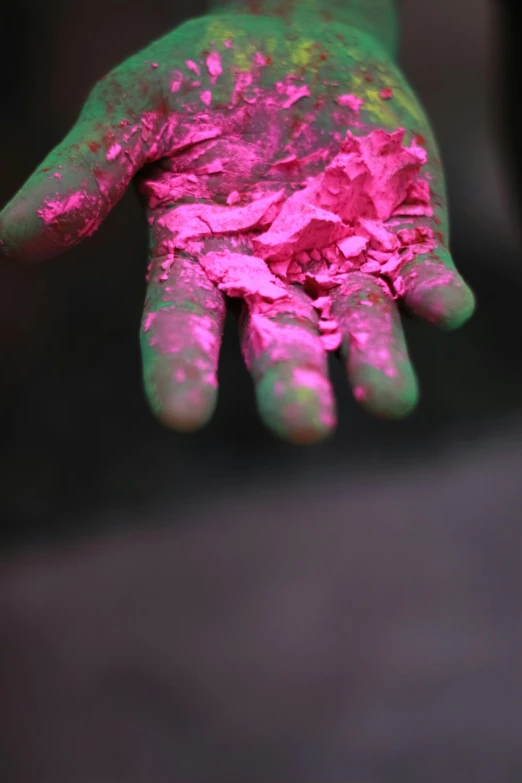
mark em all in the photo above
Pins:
pixel 246 139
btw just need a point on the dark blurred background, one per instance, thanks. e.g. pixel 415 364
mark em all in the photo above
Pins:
pixel 222 606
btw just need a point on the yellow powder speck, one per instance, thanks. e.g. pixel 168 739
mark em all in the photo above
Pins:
pixel 374 105
pixel 301 53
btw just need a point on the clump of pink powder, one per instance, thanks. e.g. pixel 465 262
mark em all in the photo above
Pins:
pixel 341 222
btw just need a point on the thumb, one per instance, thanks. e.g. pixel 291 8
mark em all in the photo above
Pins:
pixel 79 182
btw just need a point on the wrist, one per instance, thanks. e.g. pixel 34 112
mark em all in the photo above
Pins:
pixel 376 18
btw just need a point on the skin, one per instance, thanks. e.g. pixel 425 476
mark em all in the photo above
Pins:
pixel 376 18
pixel 194 120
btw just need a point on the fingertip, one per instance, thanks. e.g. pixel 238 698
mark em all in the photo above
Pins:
pixel 386 397
pixel 44 219
pixel 459 306
pixel 446 306
pixel 296 405
pixel 187 412
pixel 184 405
pixel 437 293
pixel 303 434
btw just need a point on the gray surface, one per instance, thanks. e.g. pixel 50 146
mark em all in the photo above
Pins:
pixel 341 628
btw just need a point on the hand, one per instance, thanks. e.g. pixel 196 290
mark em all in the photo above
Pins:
pixel 238 131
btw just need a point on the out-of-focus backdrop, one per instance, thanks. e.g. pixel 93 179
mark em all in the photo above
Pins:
pixel 222 606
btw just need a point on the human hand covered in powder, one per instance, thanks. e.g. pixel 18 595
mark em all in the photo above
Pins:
pixel 287 166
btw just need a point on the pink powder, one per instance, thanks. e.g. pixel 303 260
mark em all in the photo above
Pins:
pixel 206 97
pixel 265 332
pixel 214 66
pixel 347 223
pixel 149 320
pixel 351 101
pixel 193 135
pixel 192 221
pixel 260 59
pixel 328 326
pixel 352 246
pixel 113 152
pixel 169 187
pixel 227 43
pixel 176 82
pixel 214 167
pixel 379 238
pixel 370 267
pixel 202 329
pixel 233 198
pixel 243 82
pixel 54 208
pixel 300 225
pixel 241 275
pixel 417 197
pixel 72 209
pixel 295 94
pixel 191 65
